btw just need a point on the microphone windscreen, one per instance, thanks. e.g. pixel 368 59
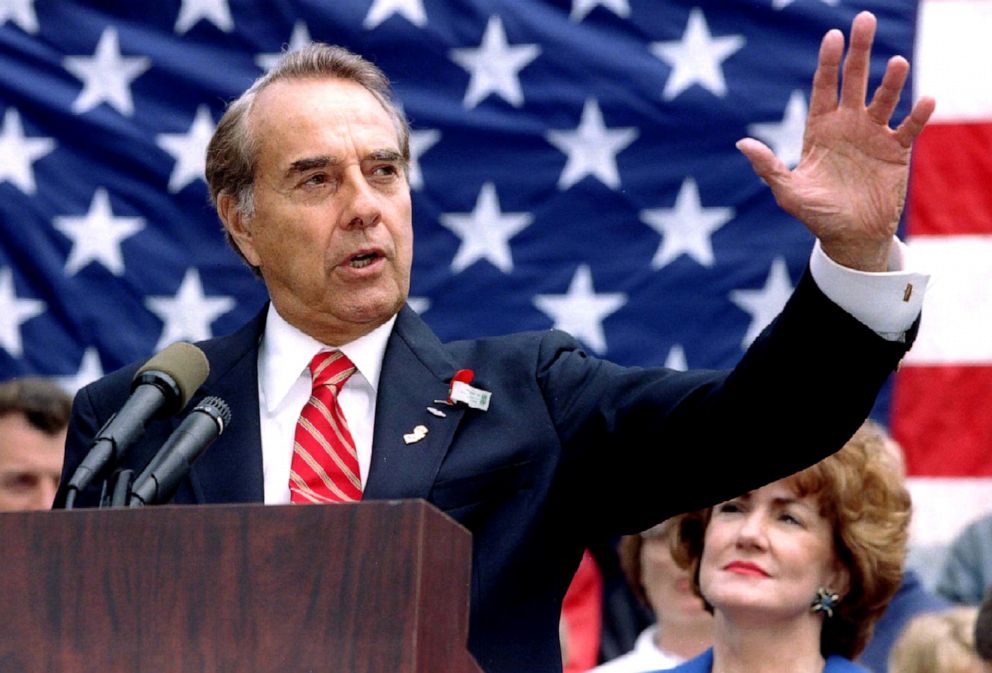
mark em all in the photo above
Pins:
pixel 185 363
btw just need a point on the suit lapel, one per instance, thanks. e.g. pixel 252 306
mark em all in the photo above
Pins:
pixel 230 470
pixel 416 371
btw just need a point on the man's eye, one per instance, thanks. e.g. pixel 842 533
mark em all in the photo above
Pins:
pixel 385 170
pixel 316 179
pixel 729 507
pixel 18 482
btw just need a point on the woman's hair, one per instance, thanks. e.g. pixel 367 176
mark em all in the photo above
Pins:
pixel 937 642
pixel 630 557
pixel 861 493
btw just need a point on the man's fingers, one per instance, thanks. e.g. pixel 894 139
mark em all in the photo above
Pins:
pixel 913 124
pixel 824 96
pixel 764 163
pixel 856 64
pixel 886 97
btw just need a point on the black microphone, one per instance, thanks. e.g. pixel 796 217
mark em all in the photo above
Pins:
pixel 162 387
pixel 199 429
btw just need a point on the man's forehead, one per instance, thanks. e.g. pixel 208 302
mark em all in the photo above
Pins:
pixel 313 105
pixel 316 95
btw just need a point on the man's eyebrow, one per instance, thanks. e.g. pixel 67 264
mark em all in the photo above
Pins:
pixel 309 163
pixel 384 155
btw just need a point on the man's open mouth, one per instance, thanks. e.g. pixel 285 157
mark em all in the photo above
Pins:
pixel 361 261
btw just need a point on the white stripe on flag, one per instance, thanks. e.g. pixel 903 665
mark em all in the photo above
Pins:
pixel 957 311
pixel 953 53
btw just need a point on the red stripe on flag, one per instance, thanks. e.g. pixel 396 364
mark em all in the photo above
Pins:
pixel 951 193
pixel 941 419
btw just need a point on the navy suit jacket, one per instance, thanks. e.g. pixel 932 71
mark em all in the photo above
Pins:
pixel 572 448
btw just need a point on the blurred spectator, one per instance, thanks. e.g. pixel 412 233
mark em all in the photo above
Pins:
pixel 938 642
pixel 683 628
pixel 967 569
pixel 983 631
pixel 912 598
pixel 34 413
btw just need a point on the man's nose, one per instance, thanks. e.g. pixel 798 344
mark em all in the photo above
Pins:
pixel 363 209
pixel 45 494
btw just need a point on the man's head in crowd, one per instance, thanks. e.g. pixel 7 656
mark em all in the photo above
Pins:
pixel 34 413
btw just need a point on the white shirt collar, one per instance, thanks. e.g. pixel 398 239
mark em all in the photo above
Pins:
pixel 285 354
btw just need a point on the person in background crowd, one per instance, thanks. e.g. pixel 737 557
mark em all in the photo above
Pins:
pixel 912 598
pixel 938 642
pixel 967 569
pixel 34 413
pixel 983 631
pixel 797 572
pixel 683 627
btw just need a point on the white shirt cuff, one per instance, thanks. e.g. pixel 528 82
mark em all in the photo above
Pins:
pixel 886 302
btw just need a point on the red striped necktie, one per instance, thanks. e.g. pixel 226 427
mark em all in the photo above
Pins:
pixel 325 462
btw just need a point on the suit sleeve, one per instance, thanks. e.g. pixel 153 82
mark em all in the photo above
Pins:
pixel 641 445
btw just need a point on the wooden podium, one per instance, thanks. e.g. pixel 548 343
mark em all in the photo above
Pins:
pixel 376 587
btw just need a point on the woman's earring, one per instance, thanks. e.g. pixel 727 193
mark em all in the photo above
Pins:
pixel 825 602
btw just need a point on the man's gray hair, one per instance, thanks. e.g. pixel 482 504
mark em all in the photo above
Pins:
pixel 232 153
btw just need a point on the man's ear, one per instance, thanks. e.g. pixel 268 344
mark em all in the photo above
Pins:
pixel 238 227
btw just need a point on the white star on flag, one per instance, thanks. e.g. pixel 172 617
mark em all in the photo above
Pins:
pixel 581 311
pixel 420 142
pixel 779 4
pixel 189 314
pixel 106 76
pixel 299 39
pixel 217 12
pixel 188 149
pixel 785 137
pixel 696 58
pixel 419 304
pixel 676 359
pixel 17 152
pixel 20 12
pixel 686 228
pixel 591 148
pixel 494 66
pixel 381 10
pixel 13 313
pixel 764 304
pixel 581 8
pixel 97 235
pixel 90 369
pixel 485 232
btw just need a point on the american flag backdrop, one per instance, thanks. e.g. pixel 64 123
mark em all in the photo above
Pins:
pixel 573 166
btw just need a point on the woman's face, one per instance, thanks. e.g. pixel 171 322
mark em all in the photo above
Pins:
pixel 766 553
pixel 666 584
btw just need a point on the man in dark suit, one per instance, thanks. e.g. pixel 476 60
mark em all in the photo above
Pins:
pixel 308 173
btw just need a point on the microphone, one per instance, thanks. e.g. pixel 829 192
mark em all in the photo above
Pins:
pixel 199 429
pixel 160 388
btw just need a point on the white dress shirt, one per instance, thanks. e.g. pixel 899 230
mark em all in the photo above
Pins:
pixel 284 386
pixel 888 303
pixel 646 656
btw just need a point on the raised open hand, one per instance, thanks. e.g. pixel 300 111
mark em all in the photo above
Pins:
pixel 849 188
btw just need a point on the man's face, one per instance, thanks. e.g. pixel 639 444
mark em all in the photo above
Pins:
pixel 30 464
pixel 331 233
